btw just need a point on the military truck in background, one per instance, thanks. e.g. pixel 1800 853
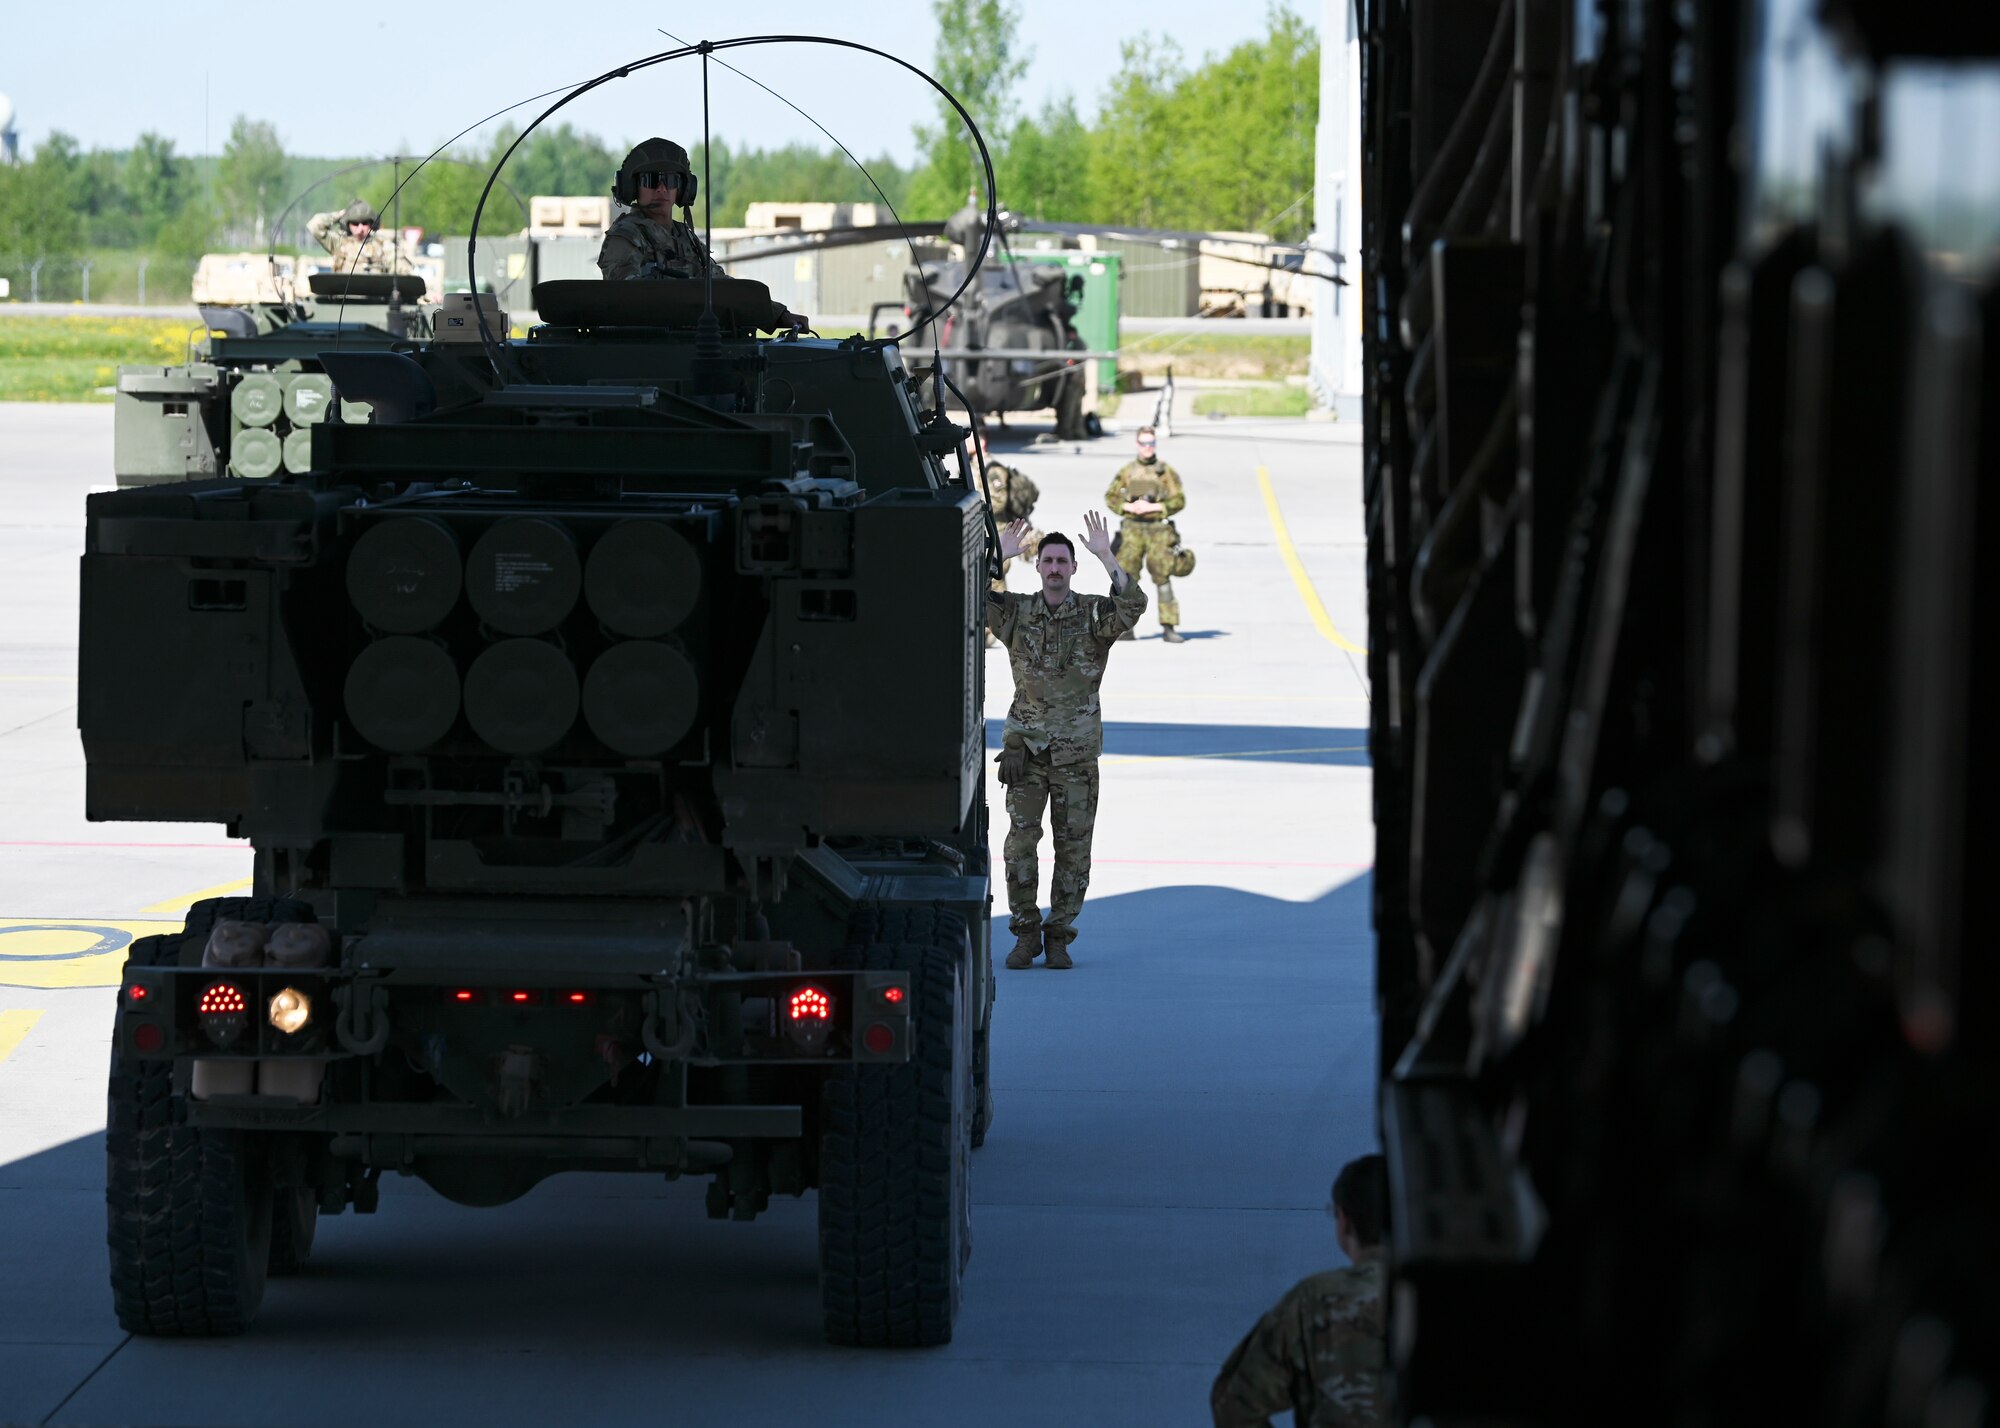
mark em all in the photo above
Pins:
pixel 607 716
pixel 247 407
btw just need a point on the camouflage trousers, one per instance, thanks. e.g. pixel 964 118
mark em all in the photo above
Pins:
pixel 1151 544
pixel 1069 793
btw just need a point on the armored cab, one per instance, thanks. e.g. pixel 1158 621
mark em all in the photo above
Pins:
pixel 610 710
pixel 248 407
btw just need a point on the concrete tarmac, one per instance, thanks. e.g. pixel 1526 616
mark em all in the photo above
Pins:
pixel 1169 1114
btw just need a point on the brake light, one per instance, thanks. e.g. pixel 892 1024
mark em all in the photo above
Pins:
pixel 577 999
pixel 808 1017
pixel 222 999
pixel 892 995
pixel 223 1012
pixel 148 1037
pixel 879 1038
pixel 522 998
pixel 135 994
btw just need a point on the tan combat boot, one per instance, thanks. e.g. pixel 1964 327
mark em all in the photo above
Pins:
pixel 1058 953
pixel 1027 947
pixel 1172 636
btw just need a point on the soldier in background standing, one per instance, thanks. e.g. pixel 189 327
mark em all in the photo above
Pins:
pixel 1147 493
pixel 353 237
pixel 1011 496
pixel 647 241
pixel 1322 1350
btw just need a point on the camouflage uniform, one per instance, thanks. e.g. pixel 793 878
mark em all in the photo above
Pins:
pixel 376 253
pixel 637 247
pixel 1149 540
pixel 1012 497
pixel 1058 656
pixel 1320 1352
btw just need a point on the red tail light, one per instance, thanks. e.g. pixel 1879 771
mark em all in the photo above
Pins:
pixel 577 999
pixel 522 998
pixel 223 1012
pixel 879 1038
pixel 893 996
pixel 136 994
pixel 808 1018
pixel 464 997
pixel 222 999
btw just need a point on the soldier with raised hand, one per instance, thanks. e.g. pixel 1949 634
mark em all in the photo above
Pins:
pixel 1322 1350
pixel 646 240
pixel 1058 642
pixel 353 237
pixel 1147 493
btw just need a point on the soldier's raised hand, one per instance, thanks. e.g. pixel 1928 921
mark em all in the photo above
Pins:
pixel 1011 537
pixel 1096 535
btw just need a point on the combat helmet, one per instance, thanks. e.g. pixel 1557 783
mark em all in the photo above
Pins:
pixel 361 211
pixel 655 156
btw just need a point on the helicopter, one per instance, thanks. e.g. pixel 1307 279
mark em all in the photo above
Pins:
pixel 1011 344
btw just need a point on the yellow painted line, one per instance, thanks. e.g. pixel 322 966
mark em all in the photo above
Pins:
pixel 182 903
pixel 1321 620
pixel 69 952
pixel 1244 754
pixel 14 1026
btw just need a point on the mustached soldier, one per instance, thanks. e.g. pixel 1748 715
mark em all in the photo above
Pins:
pixel 647 241
pixel 1147 493
pixel 352 236
pixel 1058 642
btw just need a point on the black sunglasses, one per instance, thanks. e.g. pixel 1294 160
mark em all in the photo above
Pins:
pixel 659 180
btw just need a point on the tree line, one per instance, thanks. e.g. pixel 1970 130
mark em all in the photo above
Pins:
pixel 1225 143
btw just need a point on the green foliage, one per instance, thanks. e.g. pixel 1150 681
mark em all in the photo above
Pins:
pixel 154 183
pixel 557 160
pixel 793 173
pixel 1226 145
pixel 249 182
pixel 980 60
pixel 1045 168
pixel 38 215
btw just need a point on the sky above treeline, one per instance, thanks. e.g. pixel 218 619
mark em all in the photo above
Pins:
pixel 380 83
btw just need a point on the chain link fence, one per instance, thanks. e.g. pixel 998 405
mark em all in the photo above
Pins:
pixel 113 278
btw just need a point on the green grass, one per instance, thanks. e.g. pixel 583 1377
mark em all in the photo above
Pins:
pixel 1220 355
pixel 1284 401
pixel 70 359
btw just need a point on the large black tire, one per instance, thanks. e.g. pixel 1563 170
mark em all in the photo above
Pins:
pixel 188 1212
pixel 895 1147
pixel 294 1219
pixel 982 1061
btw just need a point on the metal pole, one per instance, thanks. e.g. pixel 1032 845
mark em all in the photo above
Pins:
pixel 86 280
pixel 142 280
pixel 35 281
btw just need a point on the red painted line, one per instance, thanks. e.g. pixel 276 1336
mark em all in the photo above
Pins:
pixel 25 843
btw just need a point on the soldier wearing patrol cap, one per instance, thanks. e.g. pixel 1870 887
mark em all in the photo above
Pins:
pixel 354 238
pixel 647 241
